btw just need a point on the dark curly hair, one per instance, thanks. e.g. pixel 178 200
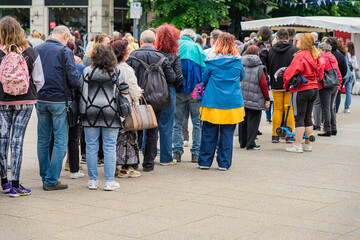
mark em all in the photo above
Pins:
pixel 120 48
pixel 103 58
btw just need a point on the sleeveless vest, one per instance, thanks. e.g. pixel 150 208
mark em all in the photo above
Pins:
pixel 252 94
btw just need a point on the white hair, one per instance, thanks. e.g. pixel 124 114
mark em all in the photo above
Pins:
pixel 189 33
pixel 61 30
pixel 315 35
pixel 148 36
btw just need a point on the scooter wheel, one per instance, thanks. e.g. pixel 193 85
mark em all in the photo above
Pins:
pixel 289 128
pixel 280 132
pixel 312 138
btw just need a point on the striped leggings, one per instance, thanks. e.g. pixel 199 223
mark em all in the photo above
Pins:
pixel 13 119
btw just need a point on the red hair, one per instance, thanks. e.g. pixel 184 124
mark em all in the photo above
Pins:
pixel 167 37
pixel 225 44
pixel 252 50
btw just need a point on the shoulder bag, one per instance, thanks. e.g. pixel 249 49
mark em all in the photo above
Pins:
pixel 141 117
pixel 331 78
pixel 72 110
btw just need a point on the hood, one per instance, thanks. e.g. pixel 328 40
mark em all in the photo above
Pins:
pixel 251 60
pixel 306 54
pixel 282 46
pixel 224 63
pixel 99 75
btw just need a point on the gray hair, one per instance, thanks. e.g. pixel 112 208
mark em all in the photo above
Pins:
pixel 253 35
pixel 315 35
pixel 148 36
pixel 61 30
pixel 188 32
pixel 325 46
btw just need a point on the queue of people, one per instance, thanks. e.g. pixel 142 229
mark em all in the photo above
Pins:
pixel 220 85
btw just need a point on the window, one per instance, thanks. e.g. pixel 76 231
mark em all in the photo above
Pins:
pixel 21 14
pixel 76 18
pixel 121 23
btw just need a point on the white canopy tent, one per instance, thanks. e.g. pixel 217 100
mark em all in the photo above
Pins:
pixel 345 24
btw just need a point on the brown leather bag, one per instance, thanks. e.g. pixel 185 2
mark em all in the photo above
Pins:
pixel 141 117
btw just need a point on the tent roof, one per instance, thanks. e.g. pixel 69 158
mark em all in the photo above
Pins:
pixel 345 24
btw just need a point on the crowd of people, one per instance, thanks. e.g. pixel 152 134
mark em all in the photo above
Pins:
pixel 233 83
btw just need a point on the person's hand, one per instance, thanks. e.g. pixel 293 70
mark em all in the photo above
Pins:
pixel 267 104
pixel 124 95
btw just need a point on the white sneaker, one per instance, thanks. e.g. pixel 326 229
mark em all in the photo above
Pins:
pixel 347 110
pixel 294 149
pixel 93 184
pixel 203 167
pixel 111 185
pixel 78 174
pixel 186 143
pixel 222 169
pixel 307 148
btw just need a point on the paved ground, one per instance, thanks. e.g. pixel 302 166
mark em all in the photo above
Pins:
pixel 267 194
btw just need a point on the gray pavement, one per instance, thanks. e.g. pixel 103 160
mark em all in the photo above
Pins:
pixel 267 194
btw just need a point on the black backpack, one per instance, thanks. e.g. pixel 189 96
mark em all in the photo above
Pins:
pixel 156 90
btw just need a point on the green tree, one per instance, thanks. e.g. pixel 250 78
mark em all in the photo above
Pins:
pixel 197 14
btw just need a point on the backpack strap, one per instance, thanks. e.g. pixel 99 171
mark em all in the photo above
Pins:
pixel 260 70
pixel 161 61
pixel 144 64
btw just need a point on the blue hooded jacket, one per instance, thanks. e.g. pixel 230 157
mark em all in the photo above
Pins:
pixel 222 78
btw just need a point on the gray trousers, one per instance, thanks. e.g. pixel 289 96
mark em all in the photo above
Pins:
pixel 317 112
pixel 327 98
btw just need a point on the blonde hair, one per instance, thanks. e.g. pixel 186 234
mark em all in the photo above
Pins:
pixel 99 38
pixel 307 42
pixel 11 33
pixel 36 34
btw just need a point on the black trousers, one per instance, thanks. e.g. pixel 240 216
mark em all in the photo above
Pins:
pixel 327 98
pixel 73 148
pixel 303 103
pixel 248 128
pixel 152 136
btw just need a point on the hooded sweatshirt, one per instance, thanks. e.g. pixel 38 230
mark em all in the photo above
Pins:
pixel 280 55
pixel 222 78
pixel 306 65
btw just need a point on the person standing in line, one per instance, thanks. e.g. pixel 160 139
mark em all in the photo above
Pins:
pixel 280 55
pixel 327 95
pixel 166 42
pixel 99 114
pixel 306 62
pixel 150 55
pixel 99 39
pixel 35 39
pixel 51 108
pixel 222 106
pixel 193 65
pixel 15 110
pixel 353 65
pixel 127 147
pixel 210 52
pixel 256 97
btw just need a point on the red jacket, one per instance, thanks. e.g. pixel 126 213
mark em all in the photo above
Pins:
pixel 325 59
pixel 307 66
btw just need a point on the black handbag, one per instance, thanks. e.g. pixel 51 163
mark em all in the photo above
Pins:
pixel 123 104
pixel 331 78
pixel 72 110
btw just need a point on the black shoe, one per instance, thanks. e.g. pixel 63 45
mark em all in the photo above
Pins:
pixel 177 156
pixel 259 133
pixel 334 132
pixel 194 158
pixel 148 169
pixel 325 134
pixel 317 128
pixel 83 159
pixel 100 162
pixel 256 147
pixel 57 186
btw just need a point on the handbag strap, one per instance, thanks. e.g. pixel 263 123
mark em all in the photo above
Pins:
pixel 329 61
pixel 64 77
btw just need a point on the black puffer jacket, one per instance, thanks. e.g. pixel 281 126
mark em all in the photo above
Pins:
pixel 175 63
pixel 150 55
pixel 280 55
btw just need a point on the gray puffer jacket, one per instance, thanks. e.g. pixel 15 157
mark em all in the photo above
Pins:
pixel 252 94
pixel 97 104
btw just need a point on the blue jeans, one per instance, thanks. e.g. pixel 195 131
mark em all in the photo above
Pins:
pixel 209 138
pixel 109 137
pixel 348 85
pixel 269 111
pixel 52 118
pixel 166 130
pixel 182 101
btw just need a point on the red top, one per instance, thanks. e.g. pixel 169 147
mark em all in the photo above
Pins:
pixel 325 60
pixel 306 65
pixel 264 87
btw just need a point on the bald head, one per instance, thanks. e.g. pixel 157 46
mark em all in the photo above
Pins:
pixel 147 37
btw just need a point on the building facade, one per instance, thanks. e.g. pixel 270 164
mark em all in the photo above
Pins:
pixel 88 16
